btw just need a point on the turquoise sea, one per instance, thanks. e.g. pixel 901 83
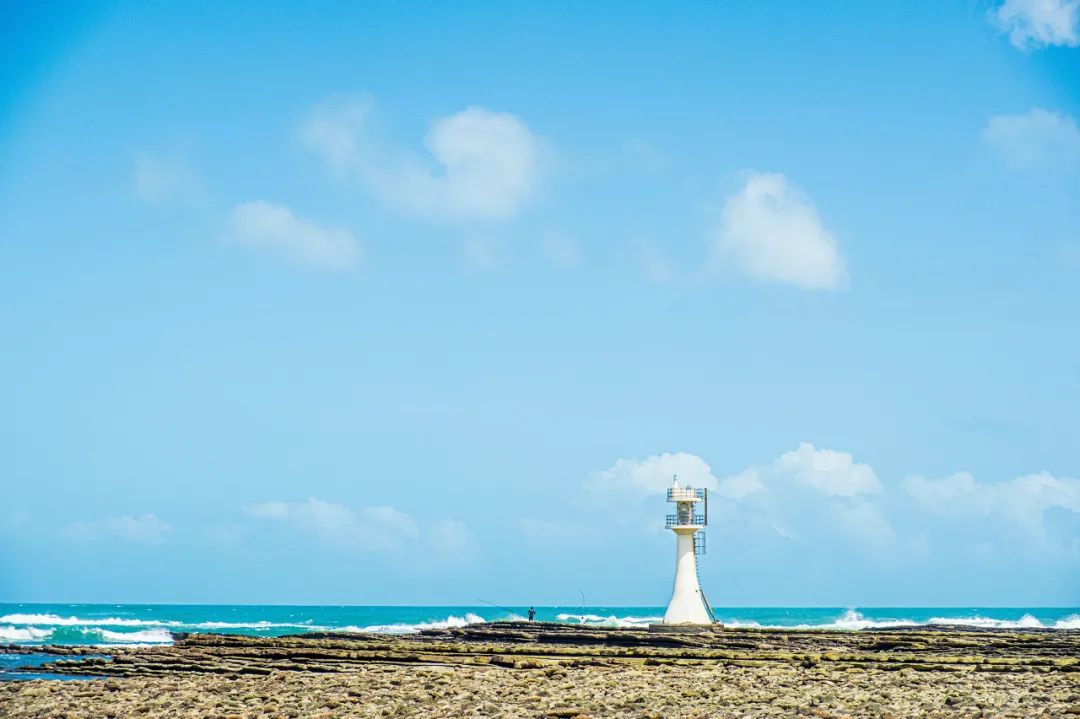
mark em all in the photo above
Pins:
pixel 128 624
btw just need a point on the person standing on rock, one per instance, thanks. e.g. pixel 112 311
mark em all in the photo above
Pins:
pixel 532 614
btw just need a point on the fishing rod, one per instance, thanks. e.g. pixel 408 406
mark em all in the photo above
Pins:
pixel 498 606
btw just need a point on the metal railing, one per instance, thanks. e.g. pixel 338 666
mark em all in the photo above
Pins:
pixel 693 520
pixel 699 544
pixel 685 494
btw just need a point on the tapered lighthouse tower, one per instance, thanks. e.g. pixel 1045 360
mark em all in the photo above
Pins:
pixel 688 604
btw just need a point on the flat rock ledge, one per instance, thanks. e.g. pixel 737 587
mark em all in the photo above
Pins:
pixel 535 669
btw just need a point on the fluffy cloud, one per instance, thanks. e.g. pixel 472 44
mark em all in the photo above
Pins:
pixel 160 179
pixel 828 471
pixel 653 475
pixel 741 485
pixel 371 528
pixel 141 529
pixel 1037 138
pixel 771 230
pixel 1023 501
pixel 379 528
pixel 1038 23
pixel 481 164
pixel 807 493
pixel 275 227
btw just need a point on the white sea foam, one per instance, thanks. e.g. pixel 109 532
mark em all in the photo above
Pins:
pixel 595 620
pixel 146 636
pixel 54 620
pixel 1025 622
pixel 851 619
pixel 447 623
pixel 58 621
pixel 24 634
pixel 1070 622
pixel 253 625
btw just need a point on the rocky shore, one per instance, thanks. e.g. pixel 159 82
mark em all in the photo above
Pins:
pixel 543 670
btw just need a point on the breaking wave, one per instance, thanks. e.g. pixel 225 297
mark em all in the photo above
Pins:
pixel 1070 622
pixel 447 623
pixel 54 626
pixel 53 620
pixel 83 636
pixel 58 621
pixel 595 620
pixel 853 619
pixel 1025 622
pixel 255 625
pixel 24 634
pixel 148 636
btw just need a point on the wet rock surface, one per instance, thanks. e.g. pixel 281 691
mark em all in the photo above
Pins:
pixel 537 670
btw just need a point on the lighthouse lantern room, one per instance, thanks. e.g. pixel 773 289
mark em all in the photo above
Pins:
pixel 688 604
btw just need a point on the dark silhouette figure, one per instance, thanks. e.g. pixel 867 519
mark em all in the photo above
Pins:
pixel 532 614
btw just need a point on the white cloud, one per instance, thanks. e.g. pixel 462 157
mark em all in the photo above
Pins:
pixel 159 179
pixel 335 132
pixel 275 227
pixel 828 471
pixel 1023 501
pixel 482 164
pixel 268 510
pixel 771 230
pixel 741 485
pixel 653 475
pixel 864 521
pixel 1037 138
pixel 808 491
pixel 379 528
pixel 371 528
pixel 1038 23
pixel 141 529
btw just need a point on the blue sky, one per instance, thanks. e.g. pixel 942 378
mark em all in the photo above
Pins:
pixel 424 303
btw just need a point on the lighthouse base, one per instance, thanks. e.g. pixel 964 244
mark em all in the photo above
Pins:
pixel 691 611
pixel 687 605
pixel 685 628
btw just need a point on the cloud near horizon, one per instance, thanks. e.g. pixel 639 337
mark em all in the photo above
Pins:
pixel 771 230
pixel 1023 501
pixel 480 165
pixel 141 529
pixel 368 529
pixel 813 495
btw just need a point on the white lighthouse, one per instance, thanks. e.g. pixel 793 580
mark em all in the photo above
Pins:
pixel 688 604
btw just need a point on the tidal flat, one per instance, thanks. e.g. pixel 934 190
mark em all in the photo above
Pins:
pixel 514 669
